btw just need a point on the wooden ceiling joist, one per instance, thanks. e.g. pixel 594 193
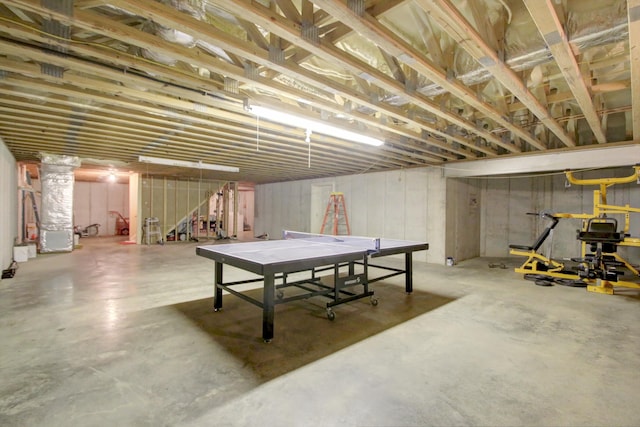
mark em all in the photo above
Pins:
pixel 456 26
pixel 144 77
pixel 633 13
pixel 544 15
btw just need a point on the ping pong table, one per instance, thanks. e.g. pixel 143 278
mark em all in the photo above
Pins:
pixel 276 260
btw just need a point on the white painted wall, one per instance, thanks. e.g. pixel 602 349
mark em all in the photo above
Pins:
pixel 92 202
pixel 404 204
pixel 507 200
pixel 135 203
pixel 9 205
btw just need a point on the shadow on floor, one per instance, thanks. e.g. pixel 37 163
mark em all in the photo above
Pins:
pixel 303 334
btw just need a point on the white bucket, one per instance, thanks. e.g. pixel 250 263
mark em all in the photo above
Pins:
pixel 20 253
pixel 450 262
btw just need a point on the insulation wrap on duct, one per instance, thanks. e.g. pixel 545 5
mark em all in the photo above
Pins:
pixel 56 224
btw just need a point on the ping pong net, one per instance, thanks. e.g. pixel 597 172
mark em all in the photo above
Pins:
pixel 372 245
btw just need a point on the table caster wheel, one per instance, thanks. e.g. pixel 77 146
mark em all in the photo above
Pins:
pixel 280 294
pixel 374 301
pixel 331 315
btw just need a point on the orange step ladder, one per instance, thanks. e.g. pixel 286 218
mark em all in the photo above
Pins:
pixel 336 207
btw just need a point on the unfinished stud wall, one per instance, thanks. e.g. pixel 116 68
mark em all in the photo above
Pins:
pixel 507 201
pixel 173 202
pixel 9 205
pixel 245 208
pixel 405 204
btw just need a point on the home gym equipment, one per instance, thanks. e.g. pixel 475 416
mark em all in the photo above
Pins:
pixel 599 267
pixel 537 262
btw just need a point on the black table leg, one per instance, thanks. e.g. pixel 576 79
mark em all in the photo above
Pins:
pixel 408 272
pixel 268 307
pixel 217 301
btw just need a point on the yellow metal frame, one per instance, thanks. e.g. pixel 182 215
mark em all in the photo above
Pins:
pixel 542 265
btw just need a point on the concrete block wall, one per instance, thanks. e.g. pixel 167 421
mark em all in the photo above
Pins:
pixel 463 215
pixel 459 217
pixel 405 204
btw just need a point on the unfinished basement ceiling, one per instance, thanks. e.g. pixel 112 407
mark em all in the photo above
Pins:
pixel 439 81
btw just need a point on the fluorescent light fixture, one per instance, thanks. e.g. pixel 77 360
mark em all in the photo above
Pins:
pixel 184 164
pixel 313 125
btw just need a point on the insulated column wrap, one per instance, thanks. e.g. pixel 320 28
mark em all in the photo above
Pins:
pixel 56 223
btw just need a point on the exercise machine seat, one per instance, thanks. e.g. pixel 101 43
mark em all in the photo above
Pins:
pixel 603 231
pixel 542 237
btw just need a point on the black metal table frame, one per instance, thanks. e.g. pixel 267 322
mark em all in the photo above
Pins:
pixel 339 293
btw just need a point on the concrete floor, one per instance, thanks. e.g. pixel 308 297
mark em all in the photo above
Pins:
pixel 125 335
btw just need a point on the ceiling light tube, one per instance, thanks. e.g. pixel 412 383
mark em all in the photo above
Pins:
pixel 184 164
pixel 313 125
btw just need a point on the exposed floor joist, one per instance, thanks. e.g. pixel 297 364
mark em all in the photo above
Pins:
pixel 633 12
pixel 439 81
pixel 544 15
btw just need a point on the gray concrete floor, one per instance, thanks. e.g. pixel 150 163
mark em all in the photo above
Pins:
pixel 125 335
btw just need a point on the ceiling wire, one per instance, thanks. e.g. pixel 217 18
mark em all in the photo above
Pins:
pixel 257 133
pixel 308 141
pixel 508 11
